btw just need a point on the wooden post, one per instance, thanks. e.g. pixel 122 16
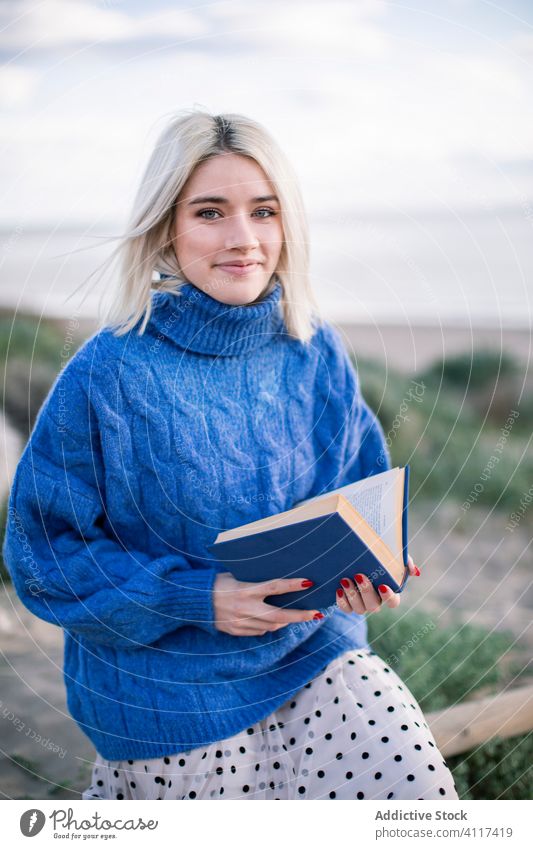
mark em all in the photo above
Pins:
pixel 466 725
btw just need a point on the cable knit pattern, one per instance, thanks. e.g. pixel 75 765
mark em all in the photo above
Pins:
pixel 145 448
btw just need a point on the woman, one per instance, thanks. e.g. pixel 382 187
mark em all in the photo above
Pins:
pixel 218 399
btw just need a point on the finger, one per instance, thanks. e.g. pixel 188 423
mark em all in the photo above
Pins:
pixel 277 615
pixel 390 598
pixel 413 570
pixel 371 599
pixel 355 603
pixel 278 586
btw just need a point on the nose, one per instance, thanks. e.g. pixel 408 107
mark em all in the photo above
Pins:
pixel 240 232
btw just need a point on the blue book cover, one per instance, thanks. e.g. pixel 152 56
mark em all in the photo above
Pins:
pixel 325 539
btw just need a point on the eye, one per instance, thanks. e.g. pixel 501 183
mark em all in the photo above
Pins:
pixel 203 211
pixel 265 209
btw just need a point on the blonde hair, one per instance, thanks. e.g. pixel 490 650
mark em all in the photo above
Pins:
pixel 191 137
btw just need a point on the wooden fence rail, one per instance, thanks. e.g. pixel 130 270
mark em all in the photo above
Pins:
pixel 464 726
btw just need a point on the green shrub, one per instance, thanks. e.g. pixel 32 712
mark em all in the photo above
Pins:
pixel 500 769
pixel 472 369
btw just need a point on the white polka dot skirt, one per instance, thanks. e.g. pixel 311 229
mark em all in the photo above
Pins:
pixel 354 732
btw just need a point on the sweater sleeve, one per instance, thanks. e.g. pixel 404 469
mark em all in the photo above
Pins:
pixel 64 566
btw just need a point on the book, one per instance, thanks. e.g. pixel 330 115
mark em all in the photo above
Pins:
pixel 358 528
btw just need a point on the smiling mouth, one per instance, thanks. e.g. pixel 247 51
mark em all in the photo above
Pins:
pixel 238 268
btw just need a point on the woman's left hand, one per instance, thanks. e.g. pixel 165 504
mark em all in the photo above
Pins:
pixel 359 596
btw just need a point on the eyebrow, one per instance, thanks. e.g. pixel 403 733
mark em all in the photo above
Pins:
pixel 219 199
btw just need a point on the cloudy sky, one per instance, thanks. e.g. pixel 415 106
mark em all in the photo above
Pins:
pixel 380 105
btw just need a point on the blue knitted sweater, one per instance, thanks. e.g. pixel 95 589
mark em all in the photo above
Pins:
pixel 144 449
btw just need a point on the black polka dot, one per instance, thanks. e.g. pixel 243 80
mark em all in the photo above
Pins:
pixel 384 739
pixel 328 736
pixel 132 784
pixel 336 700
pixel 365 755
pixel 332 795
pixel 410 777
pixel 431 744
pixel 377 692
pixel 181 761
pixel 442 791
pixel 218 753
pixel 329 681
pixel 192 795
pixel 257 767
pixel 276 764
pixel 352 662
pixel 233 769
pixel 431 767
pixel 404 727
pixel 120 795
pixel 390 795
pixel 293 704
pixel 242 750
pixel 390 708
pixel 339 756
pixel 397 758
pixel 349 775
pixel 221 793
pixel 249 730
pixel 318 713
pixel 344 717
pixel 167 760
pixel 100 783
pixel 364 677
pixel 320 773
pixel 301 790
pixel 377 775
pixel 309 751
pixel 115 774
pixel 371 721
pixel 159 780
pixel 245 788
pixel 360 795
pixel 292 741
pixel 386 669
pixel 418 747
pixel 219 770
pixel 130 762
pixel 307 720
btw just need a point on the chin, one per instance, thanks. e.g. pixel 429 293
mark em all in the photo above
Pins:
pixel 237 293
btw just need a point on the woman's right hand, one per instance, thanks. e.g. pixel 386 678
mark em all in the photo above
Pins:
pixel 241 611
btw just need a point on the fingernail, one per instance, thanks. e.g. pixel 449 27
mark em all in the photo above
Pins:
pixel 307 583
pixel 318 616
pixel 360 579
pixel 417 570
pixel 345 583
pixel 382 588
pixel 340 593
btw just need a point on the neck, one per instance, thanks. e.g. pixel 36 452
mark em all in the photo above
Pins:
pixel 197 322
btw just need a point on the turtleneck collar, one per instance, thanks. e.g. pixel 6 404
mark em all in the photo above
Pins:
pixel 197 322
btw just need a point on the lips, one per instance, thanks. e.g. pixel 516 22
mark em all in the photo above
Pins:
pixel 239 268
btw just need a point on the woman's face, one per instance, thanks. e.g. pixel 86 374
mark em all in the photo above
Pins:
pixel 227 229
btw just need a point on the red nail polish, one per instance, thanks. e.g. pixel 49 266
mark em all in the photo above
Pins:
pixel 318 616
pixel 360 579
pixel 417 570
pixel 382 588
pixel 340 593
pixel 307 583
pixel 345 583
